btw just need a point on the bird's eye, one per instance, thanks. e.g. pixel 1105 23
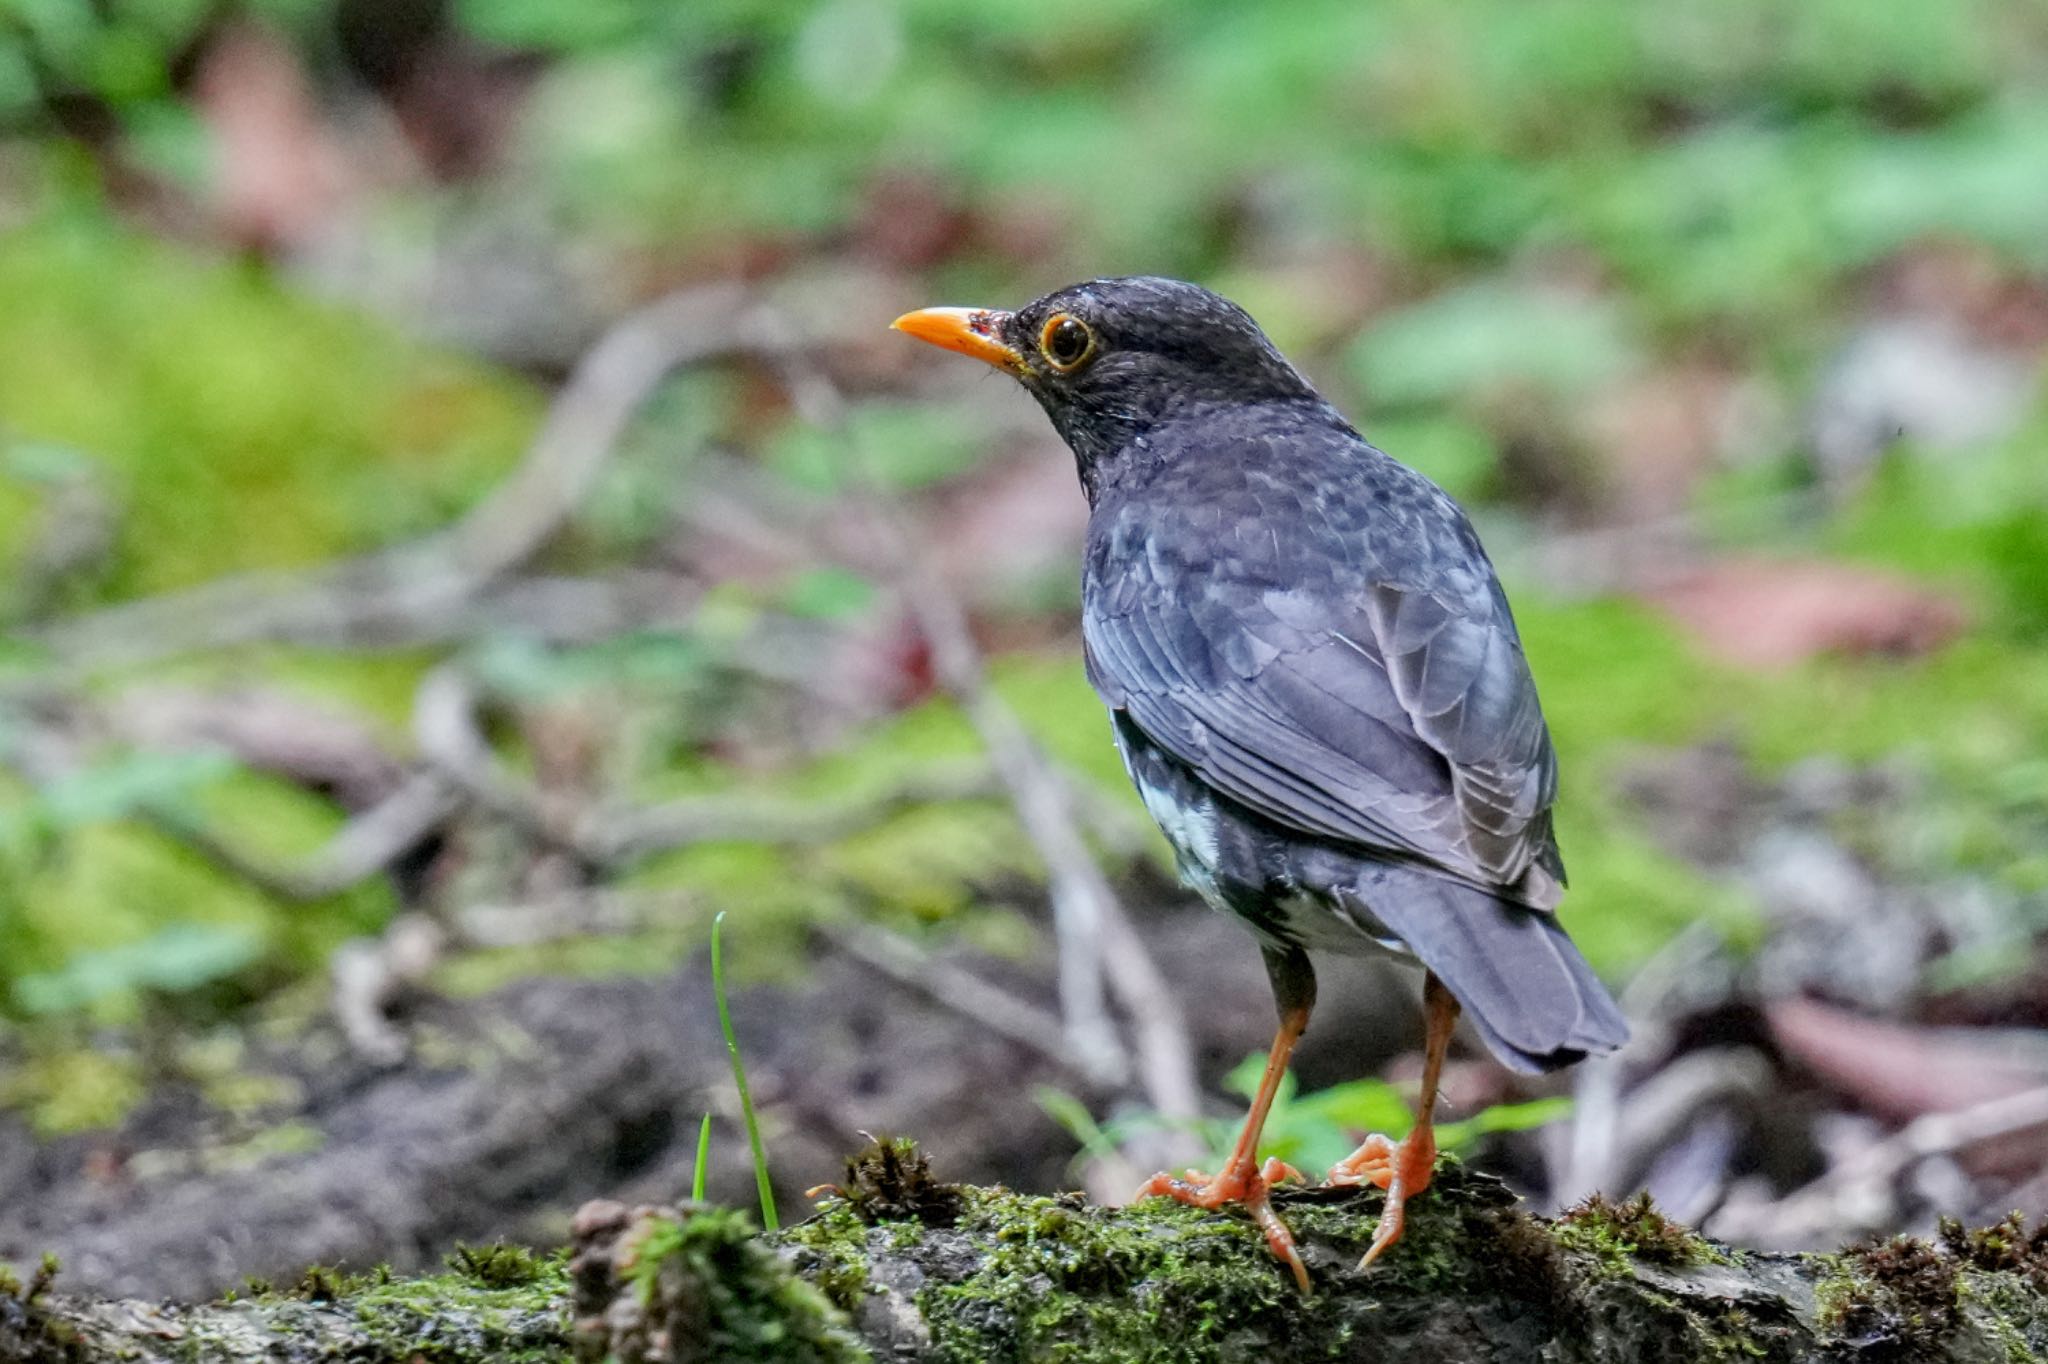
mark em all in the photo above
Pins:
pixel 1066 341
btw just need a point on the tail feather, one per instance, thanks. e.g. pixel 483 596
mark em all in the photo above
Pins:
pixel 1514 969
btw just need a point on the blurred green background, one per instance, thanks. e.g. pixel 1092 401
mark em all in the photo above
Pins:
pixel 1726 319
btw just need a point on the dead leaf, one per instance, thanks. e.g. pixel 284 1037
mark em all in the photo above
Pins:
pixel 1768 614
pixel 1901 1071
pixel 280 171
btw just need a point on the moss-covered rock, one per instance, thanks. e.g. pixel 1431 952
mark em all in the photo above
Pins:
pixel 1015 1277
pixel 695 1283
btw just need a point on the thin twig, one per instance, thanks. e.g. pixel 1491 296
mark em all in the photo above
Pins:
pixel 624 835
pixel 369 975
pixel 585 911
pixel 954 987
pixel 612 834
pixel 1827 1206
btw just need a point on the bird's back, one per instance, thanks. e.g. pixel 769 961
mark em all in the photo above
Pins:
pixel 1315 629
pixel 1321 695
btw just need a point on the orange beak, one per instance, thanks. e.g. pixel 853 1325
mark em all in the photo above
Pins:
pixel 971 331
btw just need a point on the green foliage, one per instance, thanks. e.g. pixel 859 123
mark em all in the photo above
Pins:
pixel 827 593
pixel 739 1079
pixel 100 903
pixel 175 959
pixel 1309 1131
pixel 1490 337
pixel 1987 532
pixel 1314 1131
pixel 700 1169
pixel 1431 132
pixel 898 445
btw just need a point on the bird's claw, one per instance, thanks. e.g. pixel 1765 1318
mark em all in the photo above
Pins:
pixel 1248 1185
pixel 1371 1163
pixel 1233 1184
pixel 1402 1168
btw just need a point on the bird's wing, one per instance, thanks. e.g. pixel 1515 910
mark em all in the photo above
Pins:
pixel 1314 687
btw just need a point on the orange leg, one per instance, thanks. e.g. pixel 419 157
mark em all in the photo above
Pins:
pixel 1403 1168
pixel 1242 1179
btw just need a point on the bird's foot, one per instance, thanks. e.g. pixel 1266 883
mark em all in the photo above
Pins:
pixel 1402 1168
pixel 1244 1183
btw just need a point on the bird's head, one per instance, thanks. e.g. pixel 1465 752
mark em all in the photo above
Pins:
pixel 1110 359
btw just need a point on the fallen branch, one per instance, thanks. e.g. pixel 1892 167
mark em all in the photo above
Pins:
pixel 965 993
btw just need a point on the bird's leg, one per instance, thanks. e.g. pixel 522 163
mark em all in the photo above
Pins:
pixel 1242 1179
pixel 1403 1168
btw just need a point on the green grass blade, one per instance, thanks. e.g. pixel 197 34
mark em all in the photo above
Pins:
pixel 739 1079
pixel 703 1160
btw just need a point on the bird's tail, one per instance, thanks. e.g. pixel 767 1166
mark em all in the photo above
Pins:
pixel 1532 996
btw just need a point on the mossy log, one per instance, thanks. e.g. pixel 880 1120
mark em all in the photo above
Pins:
pixel 945 1273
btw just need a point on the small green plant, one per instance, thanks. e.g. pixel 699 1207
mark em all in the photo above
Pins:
pixel 703 1165
pixel 739 1080
pixel 1309 1131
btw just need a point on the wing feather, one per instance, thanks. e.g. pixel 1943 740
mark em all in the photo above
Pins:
pixel 1325 693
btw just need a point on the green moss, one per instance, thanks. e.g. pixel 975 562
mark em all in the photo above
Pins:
pixel 890 1180
pixel 243 426
pixel 830 1250
pixel 104 886
pixel 2005 1246
pixel 1634 1229
pixel 1059 1282
pixel 319 1283
pixel 264 1145
pixel 27 1330
pixel 74 1089
pixel 930 862
pixel 479 972
pixel 1905 1298
pixel 499 1265
pixel 1055 1277
pixel 710 1286
pixel 2007 1314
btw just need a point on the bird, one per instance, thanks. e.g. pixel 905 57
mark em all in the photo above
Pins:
pixel 1318 689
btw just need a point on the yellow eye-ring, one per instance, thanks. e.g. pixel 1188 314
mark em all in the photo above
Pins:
pixel 1066 342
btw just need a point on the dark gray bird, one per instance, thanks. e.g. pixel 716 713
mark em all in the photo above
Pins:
pixel 1317 687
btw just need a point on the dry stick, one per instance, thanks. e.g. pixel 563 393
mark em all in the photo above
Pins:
pixel 613 834
pixel 1095 939
pixel 462 770
pixel 51 746
pixel 952 987
pixel 267 730
pixel 621 835
pixel 385 595
pixel 365 846
pixel 371 841
pixel 1818 1208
